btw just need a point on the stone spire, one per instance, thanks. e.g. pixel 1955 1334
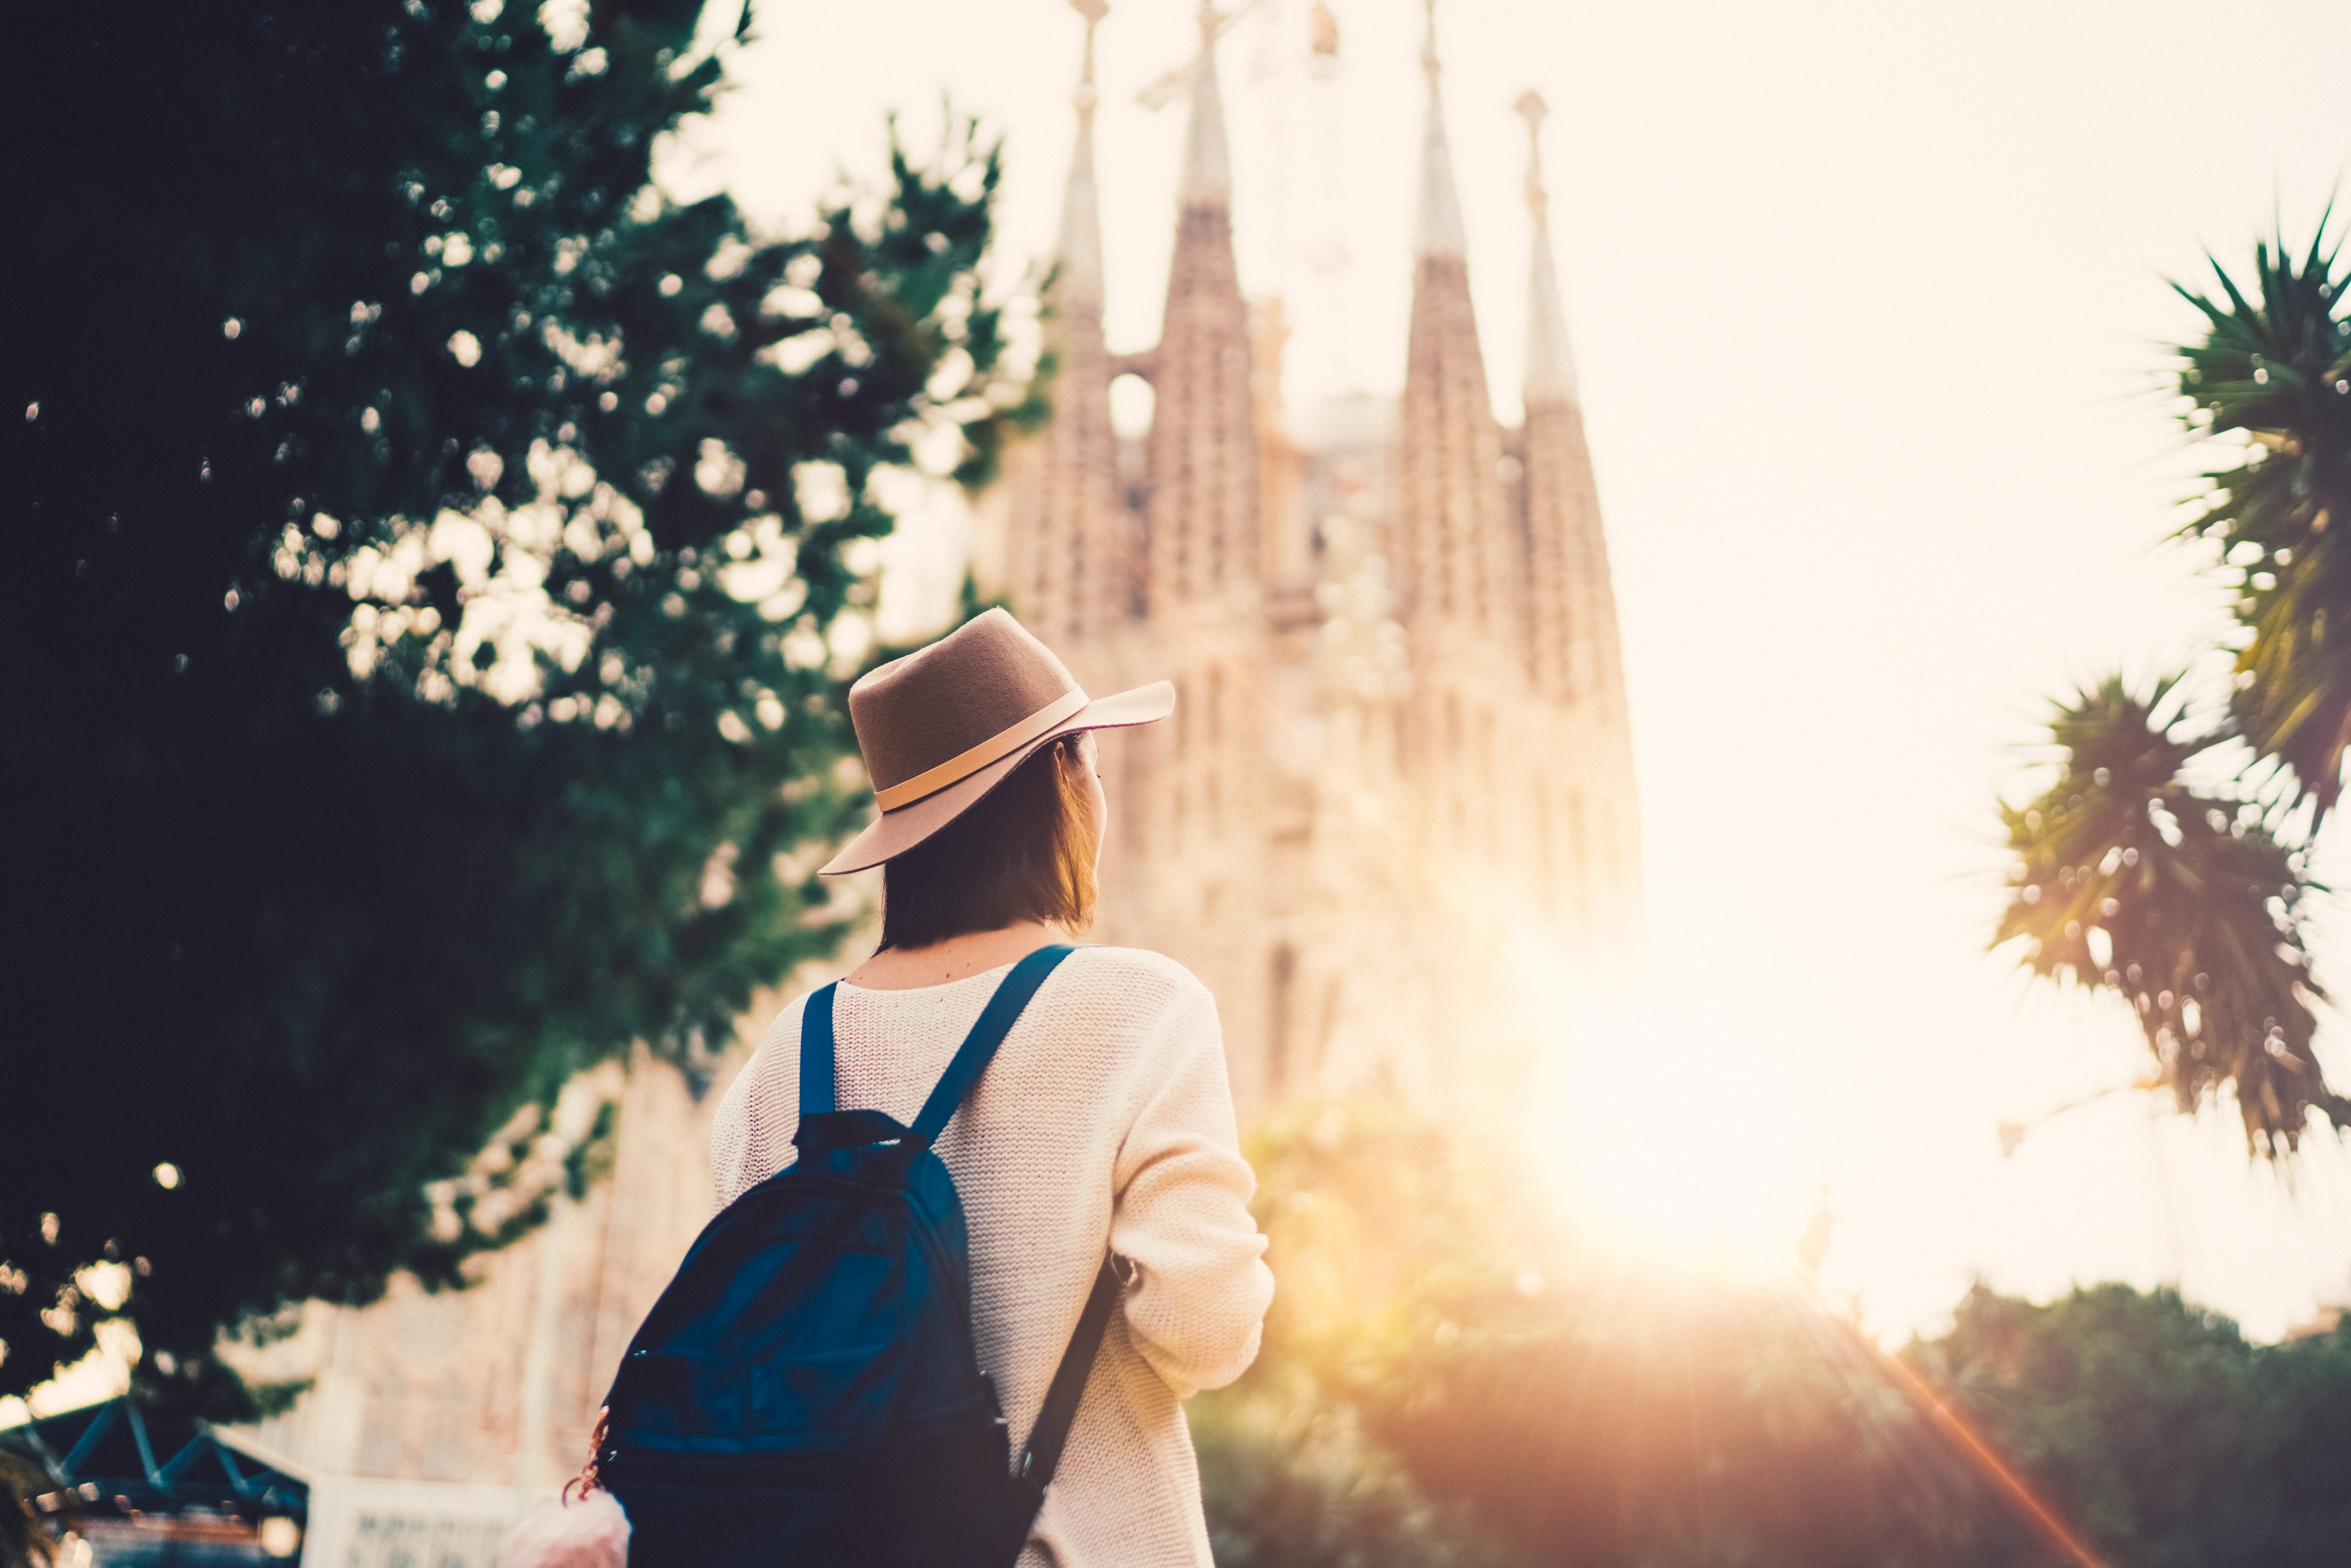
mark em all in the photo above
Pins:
pixel 1437 228
pixel 1208 173
pixel 1572 620
pixel 1551 365
pixel 1069 550
pixel 1455 534
pixel 1078 256
pixel 1203 447
pixel 1574 659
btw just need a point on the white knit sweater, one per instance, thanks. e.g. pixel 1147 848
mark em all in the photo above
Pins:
pixel 1105 1117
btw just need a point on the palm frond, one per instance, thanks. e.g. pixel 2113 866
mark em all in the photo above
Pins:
pixel 2274 368
pixel 2182 904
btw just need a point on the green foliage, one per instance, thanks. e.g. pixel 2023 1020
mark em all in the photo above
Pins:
pixel 2199 897
pixel 1290 1481
pixel 2182 904
pixel 435 558
pixel 2173 1442
pixel 1453 1375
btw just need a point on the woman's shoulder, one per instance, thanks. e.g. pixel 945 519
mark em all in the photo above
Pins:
pixel 773 1068
pixel 1151 983
pixel 778 1049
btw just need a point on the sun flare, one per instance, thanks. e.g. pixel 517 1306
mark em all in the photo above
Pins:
pixel 1679 1150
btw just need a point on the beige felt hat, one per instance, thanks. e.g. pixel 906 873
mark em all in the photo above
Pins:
pixel 944 725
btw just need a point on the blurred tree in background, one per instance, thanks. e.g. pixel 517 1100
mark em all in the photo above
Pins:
pixel 2188 903
pixel 2167 1437
pixel 1450 1377
pixel 434 557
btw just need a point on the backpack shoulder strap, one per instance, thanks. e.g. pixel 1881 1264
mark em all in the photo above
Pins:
pixel 979 1047
pixel 816 1052
pixel 1041 1456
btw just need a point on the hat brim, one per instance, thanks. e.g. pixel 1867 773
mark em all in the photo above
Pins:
pixel 892 834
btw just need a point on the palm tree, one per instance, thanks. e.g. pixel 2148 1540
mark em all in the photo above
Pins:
pixel 2187 906
pixel 2279 372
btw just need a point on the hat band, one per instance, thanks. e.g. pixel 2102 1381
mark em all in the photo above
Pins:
pixel 1004 742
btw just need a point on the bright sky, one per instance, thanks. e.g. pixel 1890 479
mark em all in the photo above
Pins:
pixel 1865 301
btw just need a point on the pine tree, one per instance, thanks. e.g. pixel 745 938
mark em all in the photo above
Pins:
pixel 434 558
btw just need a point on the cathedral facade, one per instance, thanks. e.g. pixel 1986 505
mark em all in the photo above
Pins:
pixel 1391 822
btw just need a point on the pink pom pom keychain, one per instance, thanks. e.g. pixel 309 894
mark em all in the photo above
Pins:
pixel 560 1532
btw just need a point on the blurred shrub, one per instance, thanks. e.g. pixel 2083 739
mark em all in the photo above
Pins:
pixel 1290 1481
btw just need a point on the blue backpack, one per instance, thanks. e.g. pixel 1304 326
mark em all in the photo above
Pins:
pixel 806 1389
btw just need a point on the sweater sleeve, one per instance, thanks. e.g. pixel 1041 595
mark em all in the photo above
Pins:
pixel 730 1139
pixel 742 1145
pixel 1197 1286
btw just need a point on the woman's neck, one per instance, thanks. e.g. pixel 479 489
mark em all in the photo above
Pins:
pixel 956 959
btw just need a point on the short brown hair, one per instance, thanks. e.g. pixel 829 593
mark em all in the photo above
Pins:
pixel 1026 851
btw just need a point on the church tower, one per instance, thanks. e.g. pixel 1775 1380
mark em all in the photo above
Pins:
pixel 1185 863
pixel 1452 533
pixel 1203 500
pixel 1588 837
pixel 1399 743
pixel 1071 565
